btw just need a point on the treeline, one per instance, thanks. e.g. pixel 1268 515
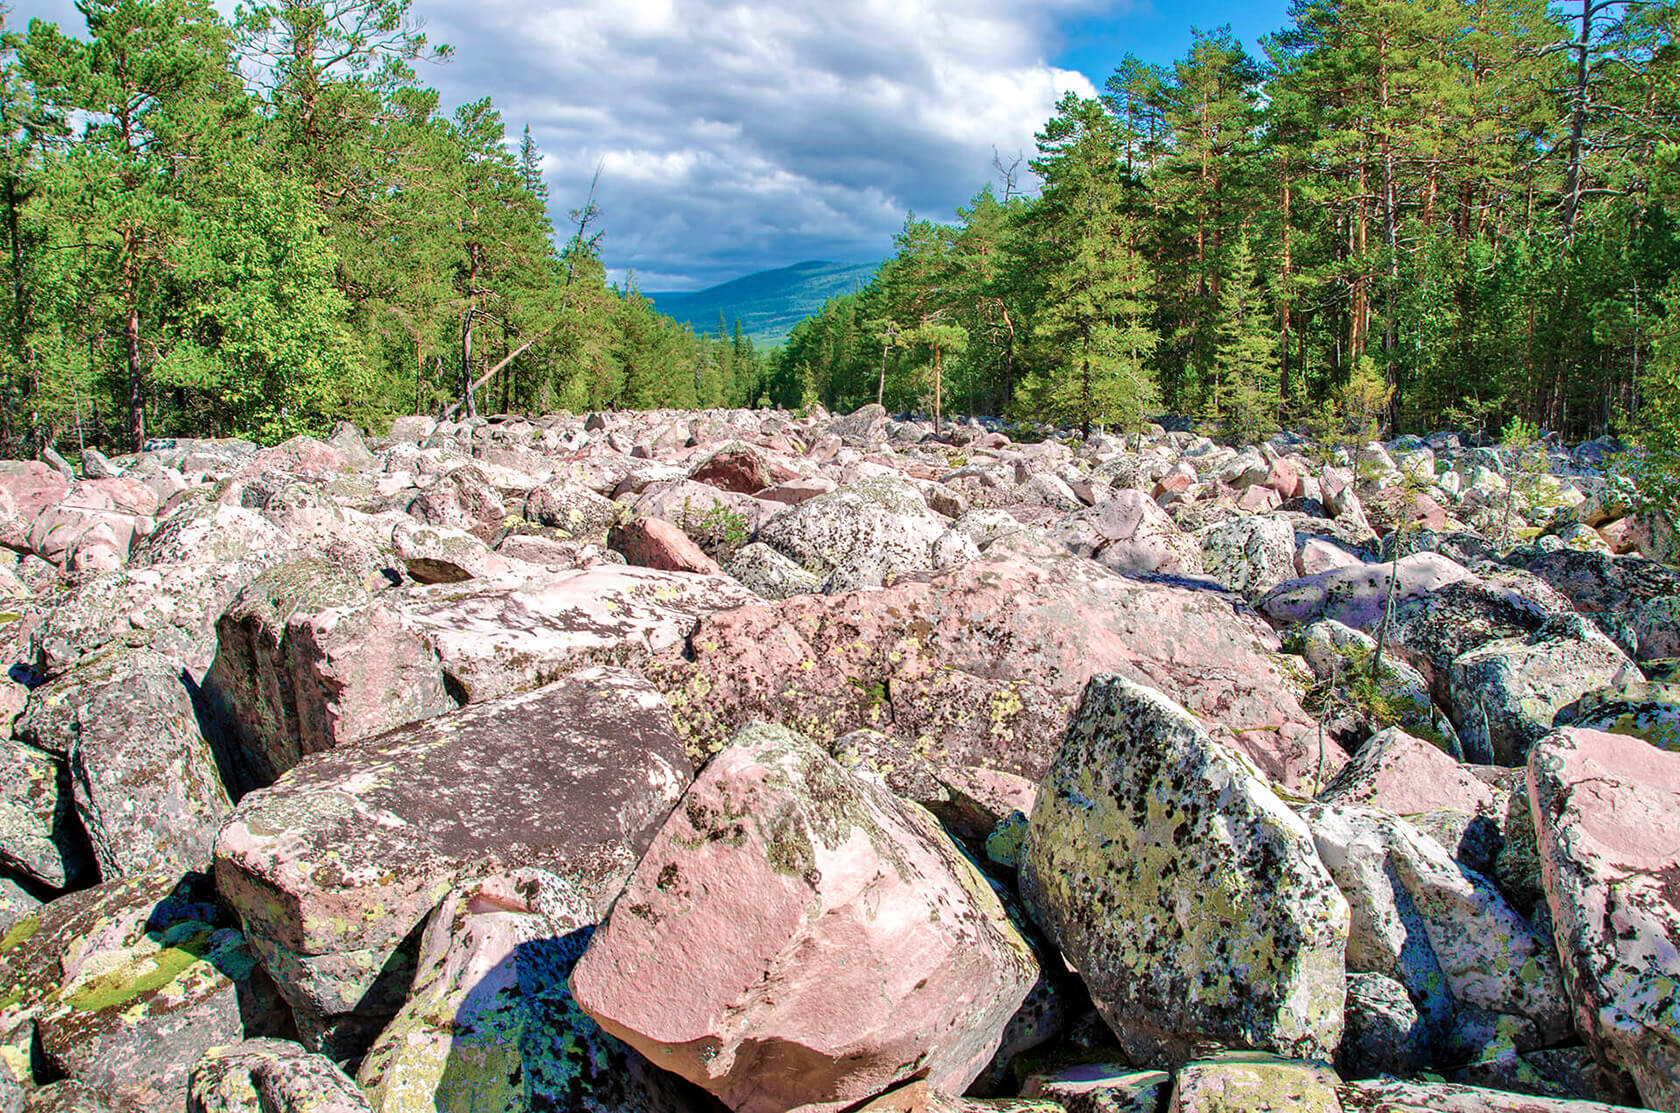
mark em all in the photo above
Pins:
pixel 262 226
pixel 1437 212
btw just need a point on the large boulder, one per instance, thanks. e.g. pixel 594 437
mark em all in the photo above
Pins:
pixel 1186 894
pixel 735 467
pixel 572 508
pixel 27 487
pixel 980 666
pixel 1507 693
pixel 308 659
pixel 797 938
pixel 1129 532
pixel 120 988
pixel 1250 555
pixel 146 785
pixel 462 499
pixel 334 866
pixel 1357 595
pixel 490 1022
pixel 507 634
pixel 1469 961
pixel 1607 820
pixel 270 1076
pixel 859 534
pixel 39 840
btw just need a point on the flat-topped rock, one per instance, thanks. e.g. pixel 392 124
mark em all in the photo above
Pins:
pixel 333 866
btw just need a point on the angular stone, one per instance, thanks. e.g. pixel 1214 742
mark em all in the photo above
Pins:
pixel 797 938
pixel 1248 1083
pixel 1391 1095
pixel 859 534
pixel 146 785
pixel 1407 776
pixel 462 499
pixel 38 841
pixel 1102 1088
pixel 1129 532
pixel 122 987
pixel 1356 596
pixel 490 1022
pixel 1384 1034
pixel 511 633
pixel 980 666
pixel 656 543
pixel 27 487
pixel 735 467
pixel 270 1076
pixel 1188 896
pixel 439 555
pixel 567 506
pixel 1444 933
pixel 337 863
pixel 1607 815
pixel 307 659
pixel 771 575
pixel 1507 693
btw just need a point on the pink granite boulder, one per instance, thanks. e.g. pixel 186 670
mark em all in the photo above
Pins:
pixel 1607 821
pixel 799 939
pixel 656 543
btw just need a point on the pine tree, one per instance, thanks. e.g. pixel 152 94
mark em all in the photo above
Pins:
pixel 1245 354
pixel 1092 320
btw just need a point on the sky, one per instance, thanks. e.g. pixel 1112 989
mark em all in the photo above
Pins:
pixel 738 135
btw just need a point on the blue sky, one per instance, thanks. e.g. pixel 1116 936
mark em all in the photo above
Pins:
pixel 738 135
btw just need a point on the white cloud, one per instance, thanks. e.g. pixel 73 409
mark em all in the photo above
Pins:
pixel 739 135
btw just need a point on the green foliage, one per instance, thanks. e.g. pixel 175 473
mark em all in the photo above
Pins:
pixel 201 248
pixel 1404 217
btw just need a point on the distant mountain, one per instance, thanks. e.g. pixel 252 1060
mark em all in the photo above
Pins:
pixel 768 303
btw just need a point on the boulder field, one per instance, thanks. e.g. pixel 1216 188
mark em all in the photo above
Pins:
pixel 685 762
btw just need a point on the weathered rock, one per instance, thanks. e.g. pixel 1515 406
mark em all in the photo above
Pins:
pixel 1356 596
pixel 980 666
pixel 858 534
pixel 270 1076
pixel 1391 1095
pixel 1407 776
pixel 1432 631
pixel 307 659
pixel 439 555
pixel 508 634
pixel 768 573
pixel 656 543
pixel 1384 1034
pixel 1128 532
pixel 796 938
pixel 462 499
pixel 145 783
pixel 1607 815
pixel 120 988
pixel 1185 893
pixel 1245 1083
pixel 1644 710
pixel 1102 1088
pixel 735 467
pixel 1506 694
pixel 1250 555
pixel 490 1022
pixel 1444 933
pixel 567 506
pixel 865 426
pixel 338 862
pixel 38 839
pixel 27 487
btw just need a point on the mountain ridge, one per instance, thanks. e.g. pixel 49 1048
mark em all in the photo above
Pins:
pixel 768 303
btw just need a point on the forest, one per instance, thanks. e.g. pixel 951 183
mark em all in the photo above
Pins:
pixel 258 227
pixel 1431 213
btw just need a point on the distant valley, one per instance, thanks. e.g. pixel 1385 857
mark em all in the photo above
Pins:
pixel 767 303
